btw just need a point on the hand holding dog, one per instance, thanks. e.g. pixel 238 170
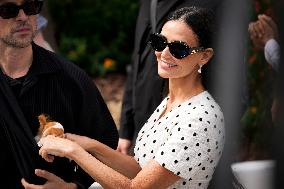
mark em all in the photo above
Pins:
pixel 56 146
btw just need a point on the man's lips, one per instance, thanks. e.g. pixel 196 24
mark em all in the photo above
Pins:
pixel 23 30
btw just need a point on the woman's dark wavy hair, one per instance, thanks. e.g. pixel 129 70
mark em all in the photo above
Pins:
pixel 200 20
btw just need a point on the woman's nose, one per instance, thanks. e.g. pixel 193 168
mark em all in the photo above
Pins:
pixel 166 52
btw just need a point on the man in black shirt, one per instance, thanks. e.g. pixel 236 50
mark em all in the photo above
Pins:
pixel 35 81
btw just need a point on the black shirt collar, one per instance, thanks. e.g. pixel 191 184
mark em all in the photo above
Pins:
pixel 43 62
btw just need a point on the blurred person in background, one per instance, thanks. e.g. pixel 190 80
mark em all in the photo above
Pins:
pixel 265 37
pixel 39 38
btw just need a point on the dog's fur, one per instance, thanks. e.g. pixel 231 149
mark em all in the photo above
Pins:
pixel 48 127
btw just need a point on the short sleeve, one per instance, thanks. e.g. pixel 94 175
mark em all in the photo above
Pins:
pixel 192 146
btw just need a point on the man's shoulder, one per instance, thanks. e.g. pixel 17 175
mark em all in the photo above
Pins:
pixel 62 63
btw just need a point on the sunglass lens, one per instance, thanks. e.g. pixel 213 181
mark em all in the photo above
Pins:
pixel 32 7
pixel 179 50
pixel 9 10
pixel 158 42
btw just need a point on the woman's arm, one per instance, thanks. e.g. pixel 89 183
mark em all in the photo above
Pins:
pixel 122 163
pixel 103 153
pixel 152 175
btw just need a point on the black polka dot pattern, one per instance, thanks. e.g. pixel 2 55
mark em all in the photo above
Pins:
pixel 188 140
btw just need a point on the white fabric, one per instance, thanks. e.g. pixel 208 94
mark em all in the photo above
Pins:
pixel 95 185
pixel 272 53
pixel 57 125
pixel 187 141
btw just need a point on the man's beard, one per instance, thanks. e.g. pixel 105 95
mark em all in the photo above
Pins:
pixel 11 41
pixel 14 42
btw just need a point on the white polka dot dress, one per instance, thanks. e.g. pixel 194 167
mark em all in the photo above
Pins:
pixel 188 140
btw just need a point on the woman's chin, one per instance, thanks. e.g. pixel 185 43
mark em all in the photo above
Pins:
pixel 164 74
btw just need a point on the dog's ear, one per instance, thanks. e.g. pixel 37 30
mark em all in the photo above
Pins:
pixel 42 119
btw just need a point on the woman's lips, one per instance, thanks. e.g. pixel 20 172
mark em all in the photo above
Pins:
pixel 166 65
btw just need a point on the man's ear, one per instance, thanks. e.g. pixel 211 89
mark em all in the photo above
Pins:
pixel 206 55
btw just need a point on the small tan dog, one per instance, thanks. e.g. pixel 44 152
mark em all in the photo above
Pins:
pixel 48 127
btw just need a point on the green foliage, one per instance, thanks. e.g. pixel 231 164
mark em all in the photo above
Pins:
pixel 257 118
pixel 95 34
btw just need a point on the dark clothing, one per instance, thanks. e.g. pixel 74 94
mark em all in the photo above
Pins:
pixel 143 92
pixel 57 87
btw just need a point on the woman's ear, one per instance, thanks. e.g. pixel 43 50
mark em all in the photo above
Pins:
pixel 206 55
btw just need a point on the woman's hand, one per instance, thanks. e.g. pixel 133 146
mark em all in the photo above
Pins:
pixel 56 146
pixel 83 141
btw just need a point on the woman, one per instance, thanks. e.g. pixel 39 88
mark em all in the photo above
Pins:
pixel 181 143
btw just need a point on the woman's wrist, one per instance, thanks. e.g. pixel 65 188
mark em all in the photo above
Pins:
pixel 74 152
pixel 89 145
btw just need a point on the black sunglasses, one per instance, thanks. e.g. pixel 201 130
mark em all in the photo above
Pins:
pixel 11 10
pixel 178 49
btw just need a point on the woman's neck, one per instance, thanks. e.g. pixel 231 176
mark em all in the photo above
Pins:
pixel 182 89
pixel 15 62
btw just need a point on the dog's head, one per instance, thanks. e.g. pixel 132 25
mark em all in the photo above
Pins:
pixel 48 127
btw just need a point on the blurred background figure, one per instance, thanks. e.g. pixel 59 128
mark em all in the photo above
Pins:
pixel 39 38
pixel 264 35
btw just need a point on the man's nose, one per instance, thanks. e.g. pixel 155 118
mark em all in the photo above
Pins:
pixel 21 15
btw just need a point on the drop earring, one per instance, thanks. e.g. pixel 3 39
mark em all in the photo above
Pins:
pixel 199 70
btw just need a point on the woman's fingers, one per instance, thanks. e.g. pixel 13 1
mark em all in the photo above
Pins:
pixel 46 156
